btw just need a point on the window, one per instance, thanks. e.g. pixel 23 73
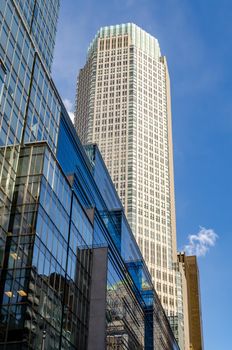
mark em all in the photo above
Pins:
pixel 2 77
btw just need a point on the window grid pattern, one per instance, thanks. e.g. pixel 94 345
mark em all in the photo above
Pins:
pixel 44 277
pixel 41 18
pixel 129 120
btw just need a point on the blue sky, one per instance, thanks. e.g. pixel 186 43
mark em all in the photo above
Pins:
pixel 196 38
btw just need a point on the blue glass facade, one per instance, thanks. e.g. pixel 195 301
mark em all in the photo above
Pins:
pixel 61 221
pixel 30 107
pixel 134 315
pixel 47 259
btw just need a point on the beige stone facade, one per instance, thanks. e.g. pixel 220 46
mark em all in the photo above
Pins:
pixel 124 105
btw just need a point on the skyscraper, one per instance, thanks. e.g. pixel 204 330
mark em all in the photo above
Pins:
pixel 72 275
pixel 124 105
pixel 29 105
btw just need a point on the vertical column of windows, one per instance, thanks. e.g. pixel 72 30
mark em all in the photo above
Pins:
pixel 153 149
pixel 44 110
pixel 111 107
pixel 17 54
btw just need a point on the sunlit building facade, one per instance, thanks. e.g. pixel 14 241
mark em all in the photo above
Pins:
pixel 72 275
pixel 124 105
pixel 193 297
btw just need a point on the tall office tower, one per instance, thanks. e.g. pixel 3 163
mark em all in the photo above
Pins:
pixel 29 106
pixel 29 111
pixel 123 105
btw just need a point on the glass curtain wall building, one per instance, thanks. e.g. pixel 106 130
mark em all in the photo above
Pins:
pixel 72 275
pixel 124 105
pixel 30 108
pixel 134 315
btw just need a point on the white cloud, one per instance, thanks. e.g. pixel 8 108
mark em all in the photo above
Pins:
pixel 200 243
pixel 69 106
